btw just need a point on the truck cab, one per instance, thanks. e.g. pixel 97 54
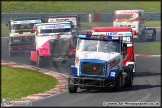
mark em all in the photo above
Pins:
pixel 98 60
pixel 21 34
pixel 53 42
pixel 129 58
pixel 136 20
pixel 74 19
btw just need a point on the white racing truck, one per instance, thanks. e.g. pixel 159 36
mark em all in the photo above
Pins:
pixel 53 42
pixel 74 19
pixel 134 19
pixel 21 35
pixel 98 61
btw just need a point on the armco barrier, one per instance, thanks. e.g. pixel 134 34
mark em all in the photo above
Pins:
pixel 97 17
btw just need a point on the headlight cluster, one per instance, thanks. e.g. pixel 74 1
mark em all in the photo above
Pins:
pixel 112 73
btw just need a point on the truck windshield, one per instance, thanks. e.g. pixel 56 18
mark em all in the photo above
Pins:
pixel 55 30
pixel 126 17
pixel 22 27
pixel 98 45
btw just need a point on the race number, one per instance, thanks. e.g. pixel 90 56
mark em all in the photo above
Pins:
pixel 126 39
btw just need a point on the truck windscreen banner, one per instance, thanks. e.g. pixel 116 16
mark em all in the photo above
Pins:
pixel 72 19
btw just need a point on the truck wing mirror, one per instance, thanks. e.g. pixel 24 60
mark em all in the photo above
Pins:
pixel 6 24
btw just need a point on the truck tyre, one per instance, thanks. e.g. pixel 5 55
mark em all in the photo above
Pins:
pixel 71 88
pixel 129 77
pixel 40 61
pixel 10 53
pixel 74 42
pixel 118 83
pixel 133 69
pixel 142 37
pixel 153 35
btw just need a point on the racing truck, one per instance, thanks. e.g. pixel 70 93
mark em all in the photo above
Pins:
pixel 134 19
pixel 21 35
pixel 75 19
pixel 53 42
pixel 98 61
pixel 129 59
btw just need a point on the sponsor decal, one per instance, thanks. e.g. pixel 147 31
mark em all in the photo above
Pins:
pixel 25 22
pixel 111 33
pixel 115 37
pixel 54 26
pixel 99 37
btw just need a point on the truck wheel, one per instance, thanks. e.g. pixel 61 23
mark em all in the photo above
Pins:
pixel 153 35
pixel 40 61
pixel 10 53
pixel 142 37
pixel 118 83
pixel 74 42
pixel 71 88
pixel 129 77
pixel 134 73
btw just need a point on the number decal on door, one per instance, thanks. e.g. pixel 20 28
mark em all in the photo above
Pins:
pixel 127 39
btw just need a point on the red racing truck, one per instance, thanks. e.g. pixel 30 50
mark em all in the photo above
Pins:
pixel 129 58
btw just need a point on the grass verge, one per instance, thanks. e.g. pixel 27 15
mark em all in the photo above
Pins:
pixel 77 6
pixel 86 26
pixel 19 82
pixel 152 48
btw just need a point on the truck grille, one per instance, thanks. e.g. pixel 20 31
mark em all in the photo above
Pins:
pixel 24 39
pixel 59 47
pixel 93 68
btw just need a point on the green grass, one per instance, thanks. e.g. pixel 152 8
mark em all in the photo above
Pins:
pixel 148 48
pixel 86 26
pixel 77 6
pixel 19 82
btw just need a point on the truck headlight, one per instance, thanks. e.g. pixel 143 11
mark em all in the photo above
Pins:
pixel 112 73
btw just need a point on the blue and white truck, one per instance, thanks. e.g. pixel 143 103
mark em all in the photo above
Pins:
pixel 98 60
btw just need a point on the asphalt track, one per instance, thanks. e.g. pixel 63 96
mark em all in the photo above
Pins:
pixel 146 86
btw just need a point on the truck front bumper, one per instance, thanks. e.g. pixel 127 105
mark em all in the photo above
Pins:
pixel 21 48
pixel 91 82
